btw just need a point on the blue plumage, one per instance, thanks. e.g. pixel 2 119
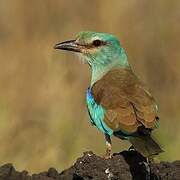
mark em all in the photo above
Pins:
pixel 96 113
pixel 120 104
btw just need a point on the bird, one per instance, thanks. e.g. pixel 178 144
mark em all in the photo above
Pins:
pixel 118 102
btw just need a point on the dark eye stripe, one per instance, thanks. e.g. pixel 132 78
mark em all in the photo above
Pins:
pixel 97 43
pixel 94 44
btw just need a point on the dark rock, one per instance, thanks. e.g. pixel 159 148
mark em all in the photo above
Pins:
pixel 52 173
pixel 127 165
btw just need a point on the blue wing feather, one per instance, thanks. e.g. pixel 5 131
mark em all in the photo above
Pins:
pixel 96 113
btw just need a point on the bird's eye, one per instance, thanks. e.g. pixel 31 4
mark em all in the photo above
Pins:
pixel 97 43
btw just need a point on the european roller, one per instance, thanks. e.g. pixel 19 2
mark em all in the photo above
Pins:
pixel 118 102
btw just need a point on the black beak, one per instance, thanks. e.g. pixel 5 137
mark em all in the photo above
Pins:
pixel 69 46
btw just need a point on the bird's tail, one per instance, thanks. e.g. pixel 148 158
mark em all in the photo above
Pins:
pixel 145 145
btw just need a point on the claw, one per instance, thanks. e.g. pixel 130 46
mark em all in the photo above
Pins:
pixel 108 154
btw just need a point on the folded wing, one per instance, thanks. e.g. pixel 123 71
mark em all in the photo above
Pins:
pixel 127 102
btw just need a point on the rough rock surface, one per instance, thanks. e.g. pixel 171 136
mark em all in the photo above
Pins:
pixel 127 165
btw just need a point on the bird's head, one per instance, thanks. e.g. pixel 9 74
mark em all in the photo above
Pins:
pixel 97 49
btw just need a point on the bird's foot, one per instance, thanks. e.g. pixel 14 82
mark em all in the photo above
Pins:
pixel 108 154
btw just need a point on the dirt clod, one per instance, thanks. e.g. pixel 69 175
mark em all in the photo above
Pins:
pixel 127 165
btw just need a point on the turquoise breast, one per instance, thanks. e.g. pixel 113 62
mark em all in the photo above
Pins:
pixel 96 113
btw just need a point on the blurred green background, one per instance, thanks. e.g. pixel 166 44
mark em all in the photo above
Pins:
pixel 43 117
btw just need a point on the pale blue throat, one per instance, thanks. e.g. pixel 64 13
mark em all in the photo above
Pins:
pixel 105 65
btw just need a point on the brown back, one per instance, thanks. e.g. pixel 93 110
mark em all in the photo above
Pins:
pixel 127 102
